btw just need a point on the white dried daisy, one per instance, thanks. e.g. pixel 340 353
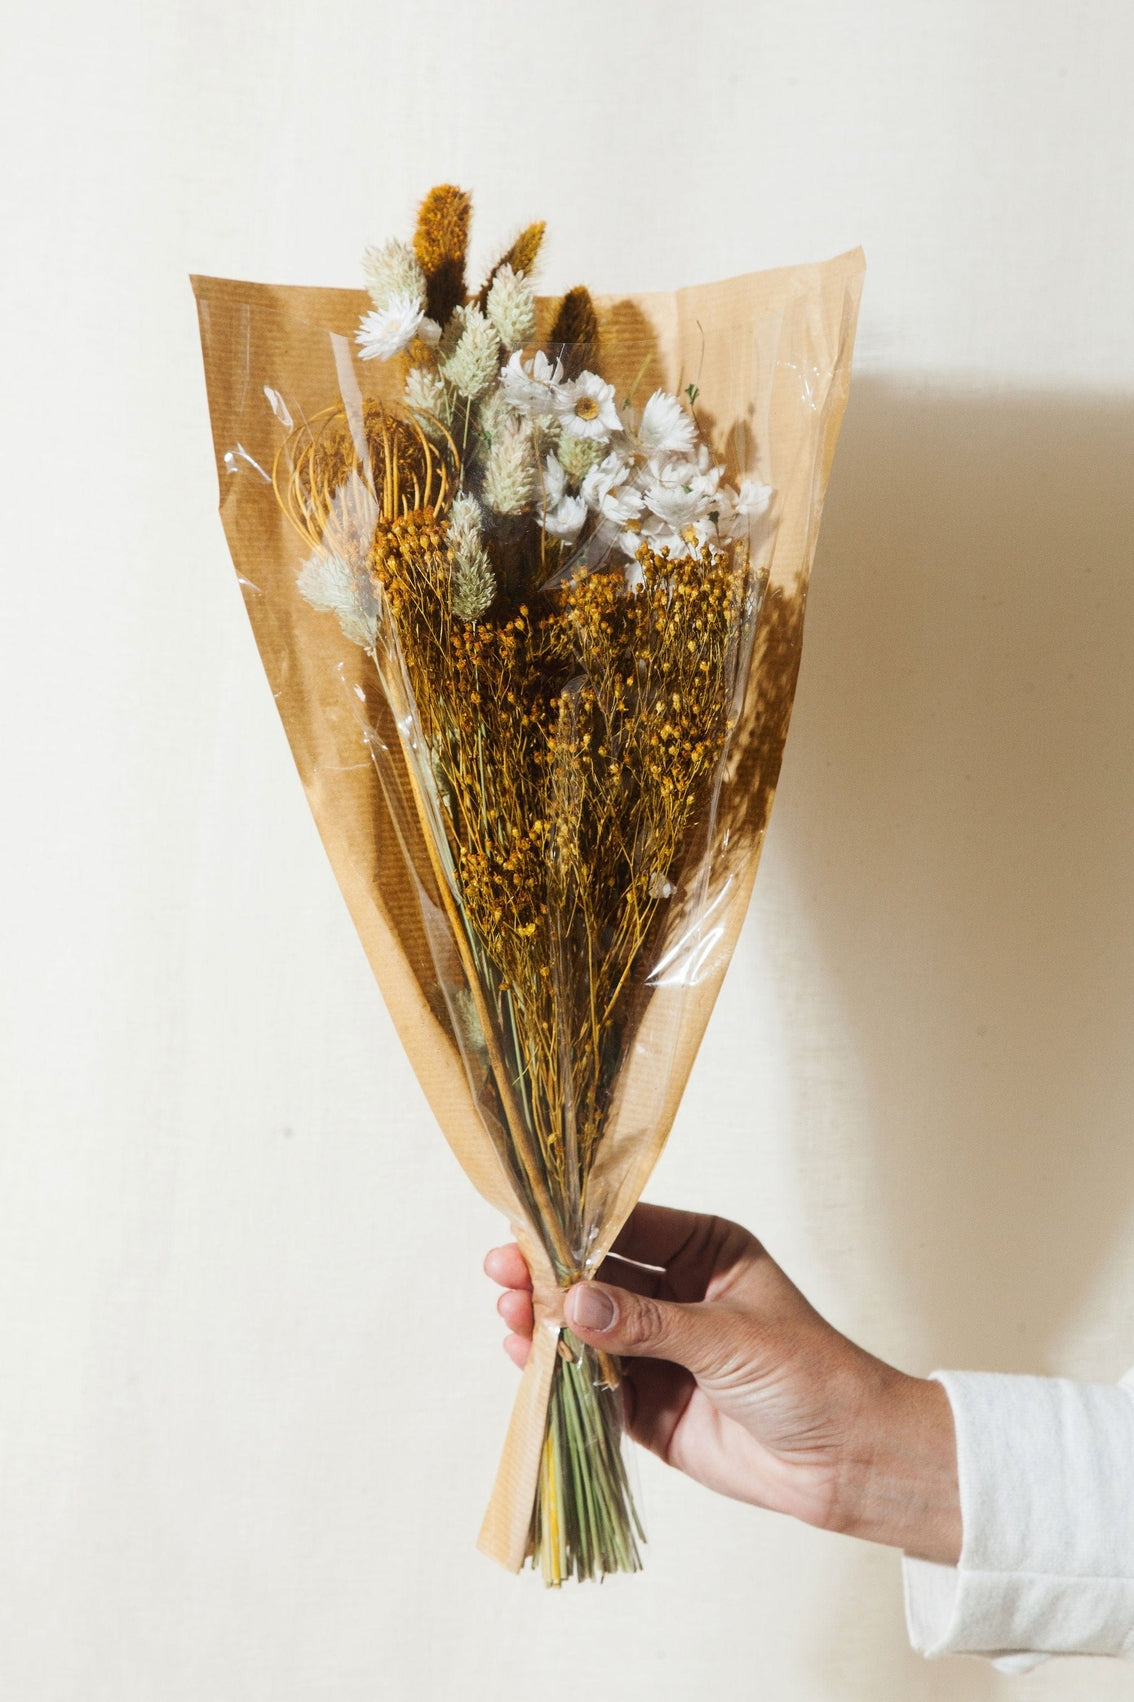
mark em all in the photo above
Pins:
pixel 675 504
pixel 752 500
pixel 532 387
pixel 561 515
pixel 613 470
pixel 680 492
pixel 509 475
pixel 511 307
pixel 390 329
pixel 622 504
pixel 666 428
pixel 693 537
pixel 738 512
pixel 392 270
pixel 630 542
pixel 585 406
pixel 566 519
pixel 473 364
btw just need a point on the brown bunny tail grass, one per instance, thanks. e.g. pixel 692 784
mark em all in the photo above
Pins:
pixel 524 252
pixel 441 243
pixel 522 257
pixel 575 334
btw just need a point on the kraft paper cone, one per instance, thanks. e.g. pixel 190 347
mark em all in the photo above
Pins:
pixel 770 354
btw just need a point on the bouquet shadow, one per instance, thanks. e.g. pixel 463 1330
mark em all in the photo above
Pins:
pixel 961 808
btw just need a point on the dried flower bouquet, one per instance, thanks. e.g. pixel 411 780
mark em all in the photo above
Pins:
pixel 556 579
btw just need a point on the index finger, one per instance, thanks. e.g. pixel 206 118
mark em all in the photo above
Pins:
pixel 689 1246
pixel 657 1235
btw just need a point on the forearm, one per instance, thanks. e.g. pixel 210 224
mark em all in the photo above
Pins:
pixel 898 1471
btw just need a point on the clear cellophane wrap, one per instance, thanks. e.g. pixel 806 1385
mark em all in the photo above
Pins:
pixel 769 358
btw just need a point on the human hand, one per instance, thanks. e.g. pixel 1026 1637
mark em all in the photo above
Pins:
pixel 736 1380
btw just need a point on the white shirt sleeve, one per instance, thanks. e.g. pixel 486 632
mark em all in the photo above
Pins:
pixel 1046 1471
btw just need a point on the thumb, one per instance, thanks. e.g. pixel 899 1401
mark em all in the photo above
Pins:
pixel 635 1324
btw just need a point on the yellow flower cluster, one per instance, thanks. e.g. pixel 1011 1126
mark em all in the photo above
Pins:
pixel 574 745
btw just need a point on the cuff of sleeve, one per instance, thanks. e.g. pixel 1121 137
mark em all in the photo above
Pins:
pixel 1046 1473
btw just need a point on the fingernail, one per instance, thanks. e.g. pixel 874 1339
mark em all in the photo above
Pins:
pixel 591 1307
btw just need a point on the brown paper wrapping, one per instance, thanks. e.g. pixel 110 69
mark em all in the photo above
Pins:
pixel 771 352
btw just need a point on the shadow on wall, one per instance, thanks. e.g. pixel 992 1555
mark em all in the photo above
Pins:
pixel 961 827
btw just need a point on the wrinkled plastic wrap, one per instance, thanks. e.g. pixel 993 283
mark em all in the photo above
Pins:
pixel 768 357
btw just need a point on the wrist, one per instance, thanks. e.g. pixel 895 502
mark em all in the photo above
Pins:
pixel 898 1474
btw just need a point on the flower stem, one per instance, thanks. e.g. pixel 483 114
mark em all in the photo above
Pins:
pixel 584 1524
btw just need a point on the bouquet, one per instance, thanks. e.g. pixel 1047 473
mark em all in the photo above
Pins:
pixel 544 561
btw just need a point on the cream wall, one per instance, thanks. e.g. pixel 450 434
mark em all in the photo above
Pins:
pixel 250 1389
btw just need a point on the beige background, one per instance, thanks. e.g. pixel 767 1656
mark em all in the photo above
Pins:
pixel 250 1390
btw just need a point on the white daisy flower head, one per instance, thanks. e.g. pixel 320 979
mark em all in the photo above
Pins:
pixel 586 408
pixel 566 519
pixel 630 542
pixel 392 270
pixel 738 511
pixel 665 428
pixel 658 533
pixel 390 329
pixel 531 387
pixel 753 499
pixel 682 491
pixel 676 504
pixel 622 504
pixel 511 306
pixel 613 470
